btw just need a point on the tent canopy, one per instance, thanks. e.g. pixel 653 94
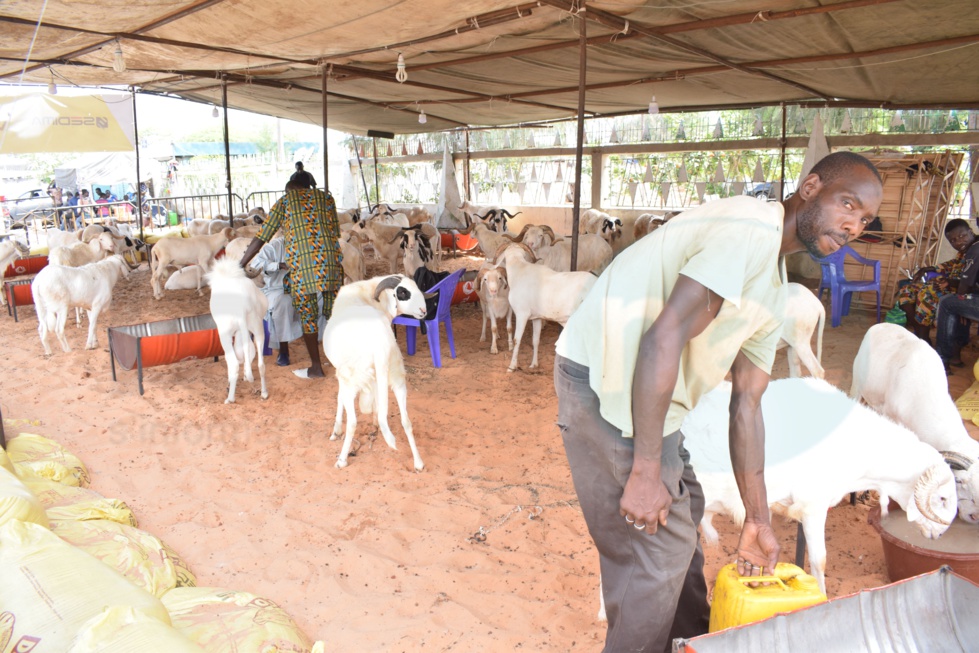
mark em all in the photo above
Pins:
pixel 101 168
pixel 495 62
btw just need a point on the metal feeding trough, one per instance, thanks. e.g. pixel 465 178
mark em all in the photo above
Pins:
pixel 937 611
pixel 163 343
pixel 908 553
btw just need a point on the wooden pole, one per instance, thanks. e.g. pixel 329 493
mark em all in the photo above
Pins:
pixel 326 149
pixel 377 182
pixel 783 141
pixel 579 145
pixel 139 194
pixel 227 147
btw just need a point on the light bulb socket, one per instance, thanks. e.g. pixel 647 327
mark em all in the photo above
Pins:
pixel 422 118
pixel 52 87
pixel 214 112
pixel 401 75
pixel 118 60
pixel 653 106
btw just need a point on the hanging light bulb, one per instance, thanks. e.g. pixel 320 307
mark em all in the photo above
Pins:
pixel 214 112
pixel 402 74
pixel 118 61
pixel 52 87
pixel 422 118
pixel 653 107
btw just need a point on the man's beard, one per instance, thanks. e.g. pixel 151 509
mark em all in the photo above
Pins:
pixel 808 223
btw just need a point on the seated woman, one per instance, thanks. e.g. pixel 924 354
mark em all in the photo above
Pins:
pixel 919 299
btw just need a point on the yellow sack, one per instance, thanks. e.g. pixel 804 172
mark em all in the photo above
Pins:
pixel 45 457
pixel 69 502
pixel 10 423
pixel 228 621
pixel 50 588
pixel 18 502
pixel 125 630
pixel 135 554
pixel 102 508
pixel 5 461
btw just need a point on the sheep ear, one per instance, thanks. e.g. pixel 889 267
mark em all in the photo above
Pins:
pixel 387 283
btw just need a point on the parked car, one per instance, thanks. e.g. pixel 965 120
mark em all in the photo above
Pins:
pixel 767 190
pixel 37 200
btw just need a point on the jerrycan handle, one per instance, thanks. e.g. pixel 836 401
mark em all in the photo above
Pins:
pixel 763 579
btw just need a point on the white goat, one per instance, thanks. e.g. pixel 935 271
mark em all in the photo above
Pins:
pixel 10 251
pixel 901 377
pixel 494 299
pixel 57 288
pixel 820 445
pixel 804 313
pixel 177 252
pixel 238 306
pixel 602 224
pixel 359 343
pixel 539 293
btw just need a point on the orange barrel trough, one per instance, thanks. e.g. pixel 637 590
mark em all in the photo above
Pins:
pixel 163 343
pixel 18 294
pixel 465 293
pixel 29 265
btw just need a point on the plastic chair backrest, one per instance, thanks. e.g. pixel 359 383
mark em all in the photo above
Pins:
pixel 446 289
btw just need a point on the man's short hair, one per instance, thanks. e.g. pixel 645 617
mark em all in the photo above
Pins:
pixel 295 185
pixel 956 223
pixel 299 165
pixel 838 164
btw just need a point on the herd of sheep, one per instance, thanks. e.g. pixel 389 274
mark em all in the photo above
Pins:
pixel 898 432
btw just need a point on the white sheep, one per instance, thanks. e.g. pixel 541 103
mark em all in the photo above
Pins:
pixel 353 263
pixel 494 217
pixel 489 240
pixel 10 251
pixel 494 299
pixel 820 445
pixel 359 343
pixel 125 243
pixel 417 252
pixel 539 293
pixel 57 288
pixel 188 277
pixel 177 252
pixel 601 224
pixel 804 313
pixel 901 377
pixel 594 253
pixel 57 238
pixel 83 253
pixel 238 306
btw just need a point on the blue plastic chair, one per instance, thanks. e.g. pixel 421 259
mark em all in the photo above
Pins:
pixel 841 290
pixel 445 288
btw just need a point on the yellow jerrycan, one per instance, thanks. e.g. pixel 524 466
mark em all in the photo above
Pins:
pixel 736 602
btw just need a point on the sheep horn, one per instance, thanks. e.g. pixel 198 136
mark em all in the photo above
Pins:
pixel 550 232
pixel 400 234
pixel 510 215
pixel 469 225
pixel 956 460
pixel 430 295
pixel 387 283
pixel 479 279
pixel 925 486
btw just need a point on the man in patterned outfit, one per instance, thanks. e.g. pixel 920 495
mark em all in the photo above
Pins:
pixel 313 255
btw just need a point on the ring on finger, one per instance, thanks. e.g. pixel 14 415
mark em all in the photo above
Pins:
pixel 629 521
pixel 639 526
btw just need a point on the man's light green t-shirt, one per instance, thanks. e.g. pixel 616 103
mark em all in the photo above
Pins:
pixel 730 246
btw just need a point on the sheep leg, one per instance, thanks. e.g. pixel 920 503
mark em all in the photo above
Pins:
pixel 537 328
pixel 78 317
pixel 345 398
pixel 339 420
pixel 93 316
pixel 482 334
pixel 45 324
pixel 509 328
pixel 521 325
pixel 401 395
pixel 258 335
pixel 3 289
pixel 231 358
pixel 382 375
pixel 806 357
pixel 202 266
pixel 814 526
pixel 795 369
pixel 61 318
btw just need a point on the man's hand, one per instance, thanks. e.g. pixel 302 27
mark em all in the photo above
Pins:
pixel 757 549
pixel 645 503
pixel 283 266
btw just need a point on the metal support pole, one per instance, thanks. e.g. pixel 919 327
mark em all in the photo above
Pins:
pixel 363 178
pixel 576 207
pixel 783 141
pixel 139 179
pixel 227 146
pixel 326 149
pixel 377 182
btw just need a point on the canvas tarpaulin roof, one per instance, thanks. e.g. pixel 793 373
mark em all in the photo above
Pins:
pixel 101 168
pixel 494 62
pixel 38 122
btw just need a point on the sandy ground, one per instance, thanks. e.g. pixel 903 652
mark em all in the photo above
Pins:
pixel 375 556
